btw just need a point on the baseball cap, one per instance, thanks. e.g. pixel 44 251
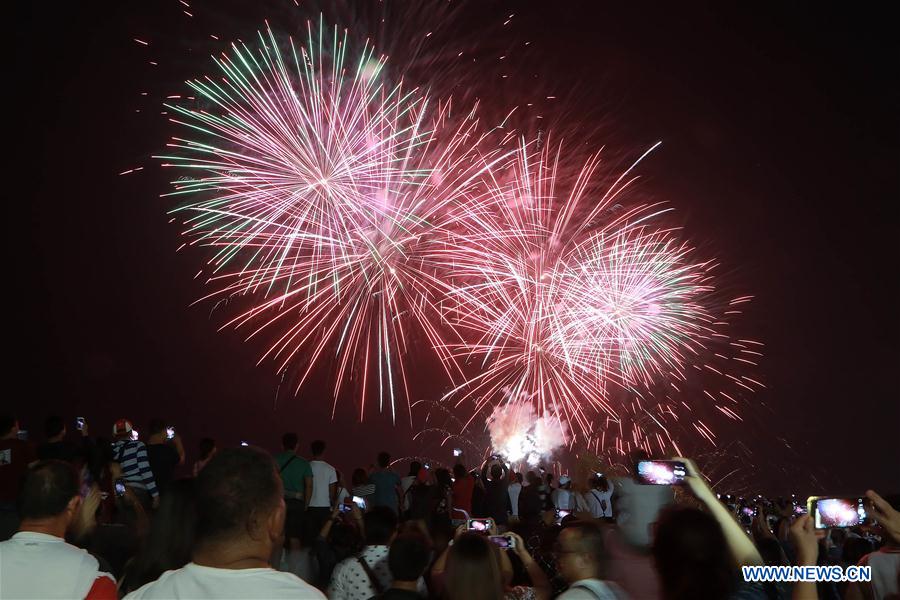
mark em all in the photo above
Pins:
pixel 564 479
pixel 122 426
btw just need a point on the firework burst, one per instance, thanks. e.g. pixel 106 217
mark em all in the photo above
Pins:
pixel 568 301
pixel 320 188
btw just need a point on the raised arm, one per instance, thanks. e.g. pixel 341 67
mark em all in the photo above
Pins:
pixel 742 549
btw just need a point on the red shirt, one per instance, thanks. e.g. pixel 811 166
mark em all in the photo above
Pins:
pixel 15 456
pixel 462 495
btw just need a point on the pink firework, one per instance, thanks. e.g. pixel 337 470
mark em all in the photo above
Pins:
pixel 570 303
pixel 320 190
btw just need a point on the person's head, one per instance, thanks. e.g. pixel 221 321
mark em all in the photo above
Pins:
pixel 532 478
pixel 691 555
pixel 170 540
pixel 473 569
pixel 414 468
pixel 49 496
pixel 9 426
pixel 122 429
pixel 54 427
pixel 380 525
pixel 519 478
pixel 459 472
pixel 239 501
pixel 549 478
pixel 290 441
pixel 359 477
pixel 580 551
pixel 317 448
pixel 157 427
pixel 496 472
pixel 600 482
pixel 565 482
pixel 384 460
pixel 207 448
pixel 442 476
pixel 409 556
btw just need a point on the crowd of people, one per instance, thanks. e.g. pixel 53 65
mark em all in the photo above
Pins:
pixel 108 517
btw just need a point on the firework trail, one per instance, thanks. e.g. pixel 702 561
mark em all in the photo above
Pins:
pixel 320 188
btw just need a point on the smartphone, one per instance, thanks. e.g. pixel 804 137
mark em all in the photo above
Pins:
pixel 837 513
pixel 562 514
pixel 799 509
pixel 79 423
pixel 360 502
pixel 660 472
pixel 22 435
pixel 457 452
pixel 480 525
pixel 120 487
pixel 345 507
pixel 506 542
pixel 134 434
pixel 170 432
pixel 427 466
pixel 244 444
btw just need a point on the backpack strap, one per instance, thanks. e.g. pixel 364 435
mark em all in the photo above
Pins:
pixel 285 465
pixel 376 584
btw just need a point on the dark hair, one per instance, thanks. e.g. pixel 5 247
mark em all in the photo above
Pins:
pixel 232 489
pixel 207 445
pixel 519 477
pixel 47 489
pixel 691 555
pixel 380 524
pixel 171 538
pixel 289 441
pixel 442 476
pixel 157 426
pixel 7 422
pixel 384 459
pixel 590 541
pixel 414 468
pixel 53 426
pixel 600 482
pixel 459 471
pixel 496 472
pixel 359 477
pixel 409 556
pixel 532 478
pixel 473 570
pixel 317 447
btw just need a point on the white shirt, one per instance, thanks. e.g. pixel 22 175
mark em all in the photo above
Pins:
pixel 592 589
pixel 37 565
pixel 599 503
pixel 323 476
pixel 194 582
pixel 405 484
pixel 350 582
pixel 514 490
pixel 562 499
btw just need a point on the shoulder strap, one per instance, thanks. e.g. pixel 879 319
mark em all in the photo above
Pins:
pixel 376 584
pixel 285 465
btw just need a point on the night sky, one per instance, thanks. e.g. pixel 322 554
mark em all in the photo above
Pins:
pixel 781 149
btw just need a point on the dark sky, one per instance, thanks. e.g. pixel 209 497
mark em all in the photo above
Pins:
pixel 781 153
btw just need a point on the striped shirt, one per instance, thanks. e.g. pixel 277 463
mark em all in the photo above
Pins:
pixel 132 457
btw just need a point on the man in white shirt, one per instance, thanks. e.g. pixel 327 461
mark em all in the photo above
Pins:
pixel 37 562
pixel 368 574
pixel 562 496
pixel 324 488
pixel 515 488
pixel 580 557
pixel 599 497
pixel 240 524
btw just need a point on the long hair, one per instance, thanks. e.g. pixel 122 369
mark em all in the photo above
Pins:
pixel 692 556
pixel 473 570
pixel 171 538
